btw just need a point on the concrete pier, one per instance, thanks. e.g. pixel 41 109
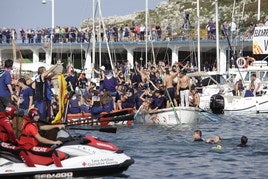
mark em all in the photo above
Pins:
pixel 168 51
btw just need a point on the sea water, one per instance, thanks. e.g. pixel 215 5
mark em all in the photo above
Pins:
pixel 161 152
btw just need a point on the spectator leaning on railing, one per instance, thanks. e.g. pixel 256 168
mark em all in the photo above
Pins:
pixel 133 32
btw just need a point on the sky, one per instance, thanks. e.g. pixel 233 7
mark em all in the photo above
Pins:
pixel 34 14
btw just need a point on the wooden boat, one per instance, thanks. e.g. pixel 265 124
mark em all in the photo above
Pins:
pixel 117 117
pixel 168 116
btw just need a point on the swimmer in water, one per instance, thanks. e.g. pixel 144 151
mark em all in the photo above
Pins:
pixel 198 136
pixel 216 140
pixel 244 141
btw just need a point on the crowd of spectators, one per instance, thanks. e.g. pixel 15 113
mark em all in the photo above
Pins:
pixel 122 87
pixel 233 30
pixel 75 35
pixel 135 32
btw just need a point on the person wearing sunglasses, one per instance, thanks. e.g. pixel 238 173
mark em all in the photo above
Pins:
pixel 30 135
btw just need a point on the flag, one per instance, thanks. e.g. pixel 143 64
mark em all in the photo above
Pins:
pixel 62 98
pixel 260 40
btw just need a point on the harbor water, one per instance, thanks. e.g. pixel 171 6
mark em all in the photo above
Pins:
pixel 171 153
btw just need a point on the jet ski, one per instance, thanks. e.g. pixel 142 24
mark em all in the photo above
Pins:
pixel 78 156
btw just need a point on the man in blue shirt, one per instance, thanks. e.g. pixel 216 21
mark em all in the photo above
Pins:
pixel 5 85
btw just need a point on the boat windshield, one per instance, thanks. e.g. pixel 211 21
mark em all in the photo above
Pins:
pixel 264 76
pixel 247 78
pixel 218 78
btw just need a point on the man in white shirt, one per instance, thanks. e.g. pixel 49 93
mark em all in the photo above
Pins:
pixel 257 85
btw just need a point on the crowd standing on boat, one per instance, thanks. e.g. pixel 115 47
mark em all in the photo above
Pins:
pixel 156 87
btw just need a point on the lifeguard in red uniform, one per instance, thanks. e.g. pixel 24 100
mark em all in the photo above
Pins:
pixel 7 133
pixel 30 136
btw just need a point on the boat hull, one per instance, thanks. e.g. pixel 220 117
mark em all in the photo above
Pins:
pixel 169 116
pixel 63 172
pixel 84 156
pixel 238 104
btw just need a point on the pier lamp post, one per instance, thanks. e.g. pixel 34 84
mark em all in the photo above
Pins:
pixel 259 10
pixel 52 28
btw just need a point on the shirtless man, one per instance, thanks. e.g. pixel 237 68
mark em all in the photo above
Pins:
pixel 168 83
pixel 144 72
pixel 194 98
pixel 183 87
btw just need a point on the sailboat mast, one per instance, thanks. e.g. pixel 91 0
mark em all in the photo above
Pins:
pixel 217 37
pixel 198 35
pixel 53 27
pixel 107 45
pixel 146 31
pixel 93 34
pixel 99 34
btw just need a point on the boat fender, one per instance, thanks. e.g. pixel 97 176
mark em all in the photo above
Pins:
pixel 241 62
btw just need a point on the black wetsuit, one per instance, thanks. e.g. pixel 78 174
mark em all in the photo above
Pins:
pixel 242 145
pixel 199 140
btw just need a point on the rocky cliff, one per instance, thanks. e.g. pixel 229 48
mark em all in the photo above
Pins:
pixel 173 12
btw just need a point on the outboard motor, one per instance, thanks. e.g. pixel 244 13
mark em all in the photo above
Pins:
pixel 217 104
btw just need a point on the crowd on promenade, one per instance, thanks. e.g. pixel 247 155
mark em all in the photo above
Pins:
pixel 152 87
pixel 124 33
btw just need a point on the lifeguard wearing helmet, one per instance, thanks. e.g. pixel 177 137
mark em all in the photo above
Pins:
pixel 33 112
pixel 7 133
pixel 10 111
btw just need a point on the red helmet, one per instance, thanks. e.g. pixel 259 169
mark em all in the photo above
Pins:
pixel 33 112
pixel 10 111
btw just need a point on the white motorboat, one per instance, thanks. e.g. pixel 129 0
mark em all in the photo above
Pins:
pixel 238 104
pixel 219 98
pixel 244 73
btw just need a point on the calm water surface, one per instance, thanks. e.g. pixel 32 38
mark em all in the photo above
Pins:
pixel 171 153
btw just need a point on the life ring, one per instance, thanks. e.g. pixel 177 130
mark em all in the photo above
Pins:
pixel 249 59
pixel 241 62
